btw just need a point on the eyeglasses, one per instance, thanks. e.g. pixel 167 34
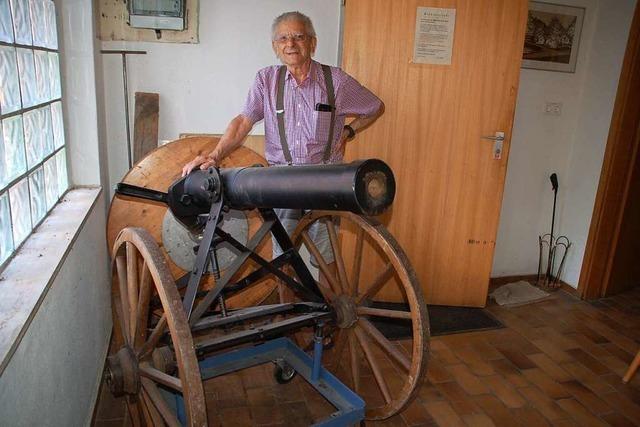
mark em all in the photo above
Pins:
pixel 297 38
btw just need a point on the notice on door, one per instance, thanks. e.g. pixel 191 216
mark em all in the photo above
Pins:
pixel 433 42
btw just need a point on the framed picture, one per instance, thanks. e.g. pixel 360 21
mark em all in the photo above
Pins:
pixel 552 37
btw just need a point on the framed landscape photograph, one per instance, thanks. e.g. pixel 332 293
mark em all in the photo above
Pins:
pixel 552 37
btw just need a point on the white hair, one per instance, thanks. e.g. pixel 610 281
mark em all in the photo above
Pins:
pixel 297 16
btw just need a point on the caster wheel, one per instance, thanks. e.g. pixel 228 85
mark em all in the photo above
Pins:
pixel 283 373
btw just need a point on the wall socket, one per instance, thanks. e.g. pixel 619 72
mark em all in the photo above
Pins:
pixel 553 108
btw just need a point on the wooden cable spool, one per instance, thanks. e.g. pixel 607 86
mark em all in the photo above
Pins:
pixel 157 171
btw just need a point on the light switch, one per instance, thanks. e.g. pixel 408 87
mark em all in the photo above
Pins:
pixel 553 108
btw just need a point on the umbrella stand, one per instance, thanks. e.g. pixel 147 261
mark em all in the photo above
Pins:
pixel 550 248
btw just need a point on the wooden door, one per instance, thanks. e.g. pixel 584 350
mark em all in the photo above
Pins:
pixel 610 261
pixel 450 187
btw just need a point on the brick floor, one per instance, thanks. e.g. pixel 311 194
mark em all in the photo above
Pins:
pixel 557 363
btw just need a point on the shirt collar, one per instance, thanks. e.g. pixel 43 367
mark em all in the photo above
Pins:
pixel 312 77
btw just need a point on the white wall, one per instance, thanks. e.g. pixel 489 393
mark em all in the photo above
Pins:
pixel 76 23
pixel 203 86
pixel 572 144
pixel 52 379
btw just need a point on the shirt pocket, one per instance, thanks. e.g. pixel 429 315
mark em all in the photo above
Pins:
pixel 323 126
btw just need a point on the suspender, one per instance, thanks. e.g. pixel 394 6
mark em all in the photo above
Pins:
pixel 280 114
pixel 328 81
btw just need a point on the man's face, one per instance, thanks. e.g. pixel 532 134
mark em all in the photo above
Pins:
pixel 292 45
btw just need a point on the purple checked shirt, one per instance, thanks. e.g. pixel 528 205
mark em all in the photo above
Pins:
pixel 307 129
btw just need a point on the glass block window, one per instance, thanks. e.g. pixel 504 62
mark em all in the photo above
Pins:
pixel 33 161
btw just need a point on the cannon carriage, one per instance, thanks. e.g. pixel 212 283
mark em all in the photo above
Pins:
pixel 175 326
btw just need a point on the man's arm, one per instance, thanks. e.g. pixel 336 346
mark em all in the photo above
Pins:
pixel 233 137
pixel 360 123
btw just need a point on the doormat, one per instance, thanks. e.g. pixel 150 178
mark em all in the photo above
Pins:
pixel 518 293
pixel 443 320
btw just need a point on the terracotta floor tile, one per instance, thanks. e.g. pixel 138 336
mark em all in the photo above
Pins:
pixel 504 391
pixel 443 414
pixel 579 413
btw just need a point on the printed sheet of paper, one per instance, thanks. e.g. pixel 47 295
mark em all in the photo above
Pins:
pixel 433 42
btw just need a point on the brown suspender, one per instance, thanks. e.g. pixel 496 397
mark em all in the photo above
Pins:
pixel 328 81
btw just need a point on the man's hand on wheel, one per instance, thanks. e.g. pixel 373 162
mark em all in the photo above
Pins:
pixel 203 162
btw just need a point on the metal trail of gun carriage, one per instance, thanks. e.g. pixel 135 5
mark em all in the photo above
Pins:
pixel 171 334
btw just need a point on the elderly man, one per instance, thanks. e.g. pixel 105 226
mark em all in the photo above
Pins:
pixel 304 105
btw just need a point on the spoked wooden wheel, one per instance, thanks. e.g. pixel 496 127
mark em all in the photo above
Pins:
pixel 154 350
pixel 370 281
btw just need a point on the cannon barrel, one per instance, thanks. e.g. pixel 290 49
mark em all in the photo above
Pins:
pixel 364 187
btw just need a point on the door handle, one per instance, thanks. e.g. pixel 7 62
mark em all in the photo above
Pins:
pixel 495 138
pixel 498 140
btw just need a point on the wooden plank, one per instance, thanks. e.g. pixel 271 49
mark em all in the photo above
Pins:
pixel 145 124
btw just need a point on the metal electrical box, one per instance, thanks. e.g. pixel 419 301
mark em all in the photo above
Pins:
pixel 157 14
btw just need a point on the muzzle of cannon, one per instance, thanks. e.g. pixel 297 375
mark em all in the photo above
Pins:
pixel 364 187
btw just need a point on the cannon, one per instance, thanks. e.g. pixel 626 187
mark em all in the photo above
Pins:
pixel 173 328
pixel 363 187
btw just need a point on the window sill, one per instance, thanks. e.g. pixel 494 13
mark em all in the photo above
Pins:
pixel 27 277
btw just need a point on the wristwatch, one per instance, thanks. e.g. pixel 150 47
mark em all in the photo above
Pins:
pixel 351 131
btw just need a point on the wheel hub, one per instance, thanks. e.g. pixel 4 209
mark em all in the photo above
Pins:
pixel 345 309
pixel 122 372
